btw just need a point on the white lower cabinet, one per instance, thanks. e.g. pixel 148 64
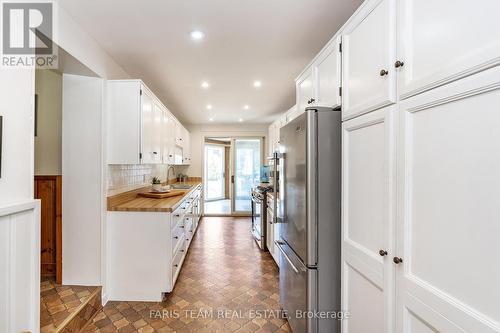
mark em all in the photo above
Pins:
pixel 146 250
pixel 368 222
pixel 449 169
pixel 421 189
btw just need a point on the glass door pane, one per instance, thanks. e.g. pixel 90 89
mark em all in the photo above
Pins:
pixel 247 162
pixel 214 172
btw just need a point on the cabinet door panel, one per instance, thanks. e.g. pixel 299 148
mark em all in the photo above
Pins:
pixel 157 134
pixel 368 47
pixel 450 190
pixel 441 41
pixel 147 128
pixel 368 221
pixel 304 90
pixel 327 76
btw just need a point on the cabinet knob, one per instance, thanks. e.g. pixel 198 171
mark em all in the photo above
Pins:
pixel 383 72
pixel 176 265
pixel 309 102
pixel 399 64
pixel 397 260
pixel 313 100
pixel 382 253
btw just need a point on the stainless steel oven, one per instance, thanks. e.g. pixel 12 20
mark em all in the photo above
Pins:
pixel 259 218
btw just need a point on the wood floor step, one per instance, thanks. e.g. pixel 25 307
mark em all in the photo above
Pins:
pixel 67 308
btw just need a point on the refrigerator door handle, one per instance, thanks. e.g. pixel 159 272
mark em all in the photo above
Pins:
pixel 311 185
pixel 280 216
pixel 279 245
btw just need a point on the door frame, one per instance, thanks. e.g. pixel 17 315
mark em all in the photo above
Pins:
pixel 240 135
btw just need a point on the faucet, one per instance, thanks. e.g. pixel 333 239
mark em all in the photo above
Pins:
pixel 168 171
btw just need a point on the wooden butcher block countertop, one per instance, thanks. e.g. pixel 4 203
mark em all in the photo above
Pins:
pixel 131 202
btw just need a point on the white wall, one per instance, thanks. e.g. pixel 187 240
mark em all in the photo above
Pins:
pixel 84 48
pixel 199 132
pixel 48 87
pixel 17 89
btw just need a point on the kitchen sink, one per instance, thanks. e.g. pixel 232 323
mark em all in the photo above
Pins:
pixel 181 187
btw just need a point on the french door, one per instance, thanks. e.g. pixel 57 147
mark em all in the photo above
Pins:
pixel 214 172
pixel 247 161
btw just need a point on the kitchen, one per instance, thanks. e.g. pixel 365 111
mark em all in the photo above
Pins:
pixel 369 139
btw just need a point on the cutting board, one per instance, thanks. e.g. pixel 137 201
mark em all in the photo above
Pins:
pixel 161 195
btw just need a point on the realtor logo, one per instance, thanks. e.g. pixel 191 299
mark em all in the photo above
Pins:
pixel 27 35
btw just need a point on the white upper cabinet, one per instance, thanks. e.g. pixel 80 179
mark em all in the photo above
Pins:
pixel 368 57
pixel 141 129
pixel 168 143
pixel 178 134
pixel 152 127
pixel 441 41
pixel 327 75
pixel 186 147
pixel 304 89
pixel 148 127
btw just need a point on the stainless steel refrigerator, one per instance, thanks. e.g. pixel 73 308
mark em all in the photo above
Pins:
pixel 309 213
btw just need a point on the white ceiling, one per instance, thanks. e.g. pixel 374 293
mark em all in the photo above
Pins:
pixel 246 40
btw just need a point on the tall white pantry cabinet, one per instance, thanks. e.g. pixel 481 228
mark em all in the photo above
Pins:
pixel 421 167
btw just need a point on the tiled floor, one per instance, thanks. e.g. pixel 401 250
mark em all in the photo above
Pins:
pixel 59 305
pixel 226 285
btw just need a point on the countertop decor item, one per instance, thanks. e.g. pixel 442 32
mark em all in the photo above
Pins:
pixel 156 182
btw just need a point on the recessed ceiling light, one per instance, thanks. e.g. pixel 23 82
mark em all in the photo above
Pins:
pixel 209 106
pixel 246 107
pixel 257 84
pixel 197 35
pixel 210 119
pixel 240 120
pixel 205 85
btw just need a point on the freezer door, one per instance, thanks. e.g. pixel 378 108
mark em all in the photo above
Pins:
pixel 298 290
pixel 297 211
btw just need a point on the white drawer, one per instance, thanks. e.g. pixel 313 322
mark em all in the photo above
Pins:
pixel 178 235
pixel 178 215
pixel 177 260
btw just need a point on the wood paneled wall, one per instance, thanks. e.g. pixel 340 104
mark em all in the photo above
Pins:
pixel 48 190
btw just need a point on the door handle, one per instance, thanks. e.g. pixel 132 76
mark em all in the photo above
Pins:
pixel 232 179
pixel 278 244
pixel 397 260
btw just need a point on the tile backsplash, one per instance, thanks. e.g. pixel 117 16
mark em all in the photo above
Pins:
pixel 126 177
